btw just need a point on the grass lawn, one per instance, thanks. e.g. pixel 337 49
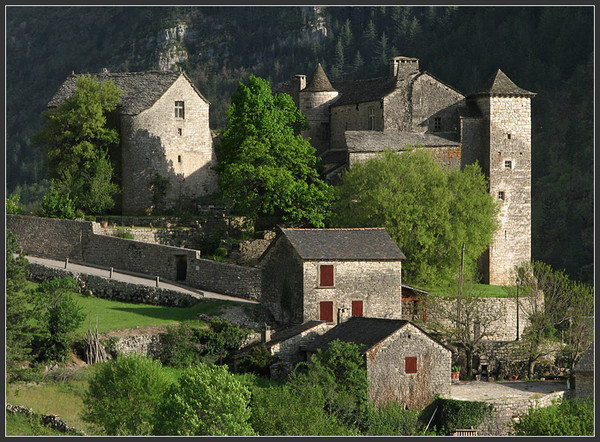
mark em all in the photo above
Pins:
pixel 481 290
pixel 20 425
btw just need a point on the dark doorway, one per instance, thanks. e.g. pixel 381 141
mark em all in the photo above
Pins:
pixel 181 265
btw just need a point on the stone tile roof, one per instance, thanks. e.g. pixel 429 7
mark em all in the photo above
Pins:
pixel 375 141
pixel 365 332
pixel 319 81
pixel 359 91
pixel 586 363
pixel 500 84
pixel 372 244
pixel 142 89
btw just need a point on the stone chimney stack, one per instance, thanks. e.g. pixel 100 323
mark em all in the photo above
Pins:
pixel 105 70
pixel 298 82
pixel 343 314
pixel 400 66
pixel 265 334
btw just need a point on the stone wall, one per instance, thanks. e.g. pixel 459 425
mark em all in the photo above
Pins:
pixel 288 351
pixel 315 106
pixel 225 278
pixel 353 117
pixel 112 289
pixel 386 368
pixel 378 284
pixel 179 149
pixel 50 420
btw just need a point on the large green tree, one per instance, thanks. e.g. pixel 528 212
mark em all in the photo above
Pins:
pixel 76 140
pixel 429 211
pixel 266 168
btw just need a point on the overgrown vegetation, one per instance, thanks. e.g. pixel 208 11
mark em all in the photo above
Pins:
pixel 566 417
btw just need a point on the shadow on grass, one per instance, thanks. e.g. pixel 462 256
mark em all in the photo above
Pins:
pixel 209 307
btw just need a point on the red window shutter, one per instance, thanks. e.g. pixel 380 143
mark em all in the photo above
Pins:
pixel 357 308
pixel 326 279
pixel 326 311
pixel 411 364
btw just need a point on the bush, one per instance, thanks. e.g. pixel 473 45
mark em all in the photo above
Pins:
pixel 124 394
pixel 207 400
pixel 391 419
pixel 258 361
pixel 565 417
pixel 180 346
pixel 453 414
pixel 120 233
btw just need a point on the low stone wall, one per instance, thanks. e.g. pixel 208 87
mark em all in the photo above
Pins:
pixel 50 420
pixel 112 289
pixel 509 410
pixel 226 278
pixel 181 237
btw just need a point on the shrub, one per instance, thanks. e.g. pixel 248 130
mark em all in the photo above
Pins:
pixel 120 233
pixel 391 419
pixel 124 394
pixel 207 400
pixel 565 417
pixel 258 361
pixel 453 414
pixel 180 346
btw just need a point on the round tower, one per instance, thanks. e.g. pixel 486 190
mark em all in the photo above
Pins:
pixel 506 158
pixel 315 100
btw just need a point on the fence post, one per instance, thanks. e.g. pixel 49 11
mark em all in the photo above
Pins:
pixel 66 262
pixel 111 272
pixel 157 280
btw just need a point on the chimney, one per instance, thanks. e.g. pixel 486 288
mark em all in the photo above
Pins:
pixel 400 66
pixel 298 82
pixel 343 314
pixel 105 70
pixel 265 334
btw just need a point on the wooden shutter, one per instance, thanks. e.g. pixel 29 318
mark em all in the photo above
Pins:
pixel 357 308
pixel 326 276
pixel 411 364
pixel 326 311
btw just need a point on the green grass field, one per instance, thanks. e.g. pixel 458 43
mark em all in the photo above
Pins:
pixel 481 290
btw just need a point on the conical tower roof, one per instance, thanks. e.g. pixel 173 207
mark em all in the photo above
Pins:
pixel 319 81
pixel 500 84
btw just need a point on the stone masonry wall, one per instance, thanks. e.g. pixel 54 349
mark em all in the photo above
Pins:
pixel 510 140
pixel 353 117
pixel 229 279
pixel 315 106
pixel 386 368
pixel 377 283
pixel 112 289
pixel 179 149
pixel 288 351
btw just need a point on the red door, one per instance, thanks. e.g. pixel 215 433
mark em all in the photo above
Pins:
pixel 326 311
pixel 357 308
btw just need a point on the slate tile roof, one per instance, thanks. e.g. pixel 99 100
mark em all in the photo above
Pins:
pixel 375 141
pixel 365 332
pixel 142 89
pixel 372 244
pixel 500 84
pixel 319 81
pixel 586 363
pixel 359 91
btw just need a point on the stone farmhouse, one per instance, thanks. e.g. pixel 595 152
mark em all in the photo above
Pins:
pixel 353 120
pixel 164 130
pixel 402 361
pixel 332 274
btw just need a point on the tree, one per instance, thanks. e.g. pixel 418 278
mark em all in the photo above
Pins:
pixel 463 320
pixel 205 401
pixel 76 140
pixel 13 206
pixel 59 315
pixel 264 168
pixel 18 305
pixel 124 395
pixel 428 211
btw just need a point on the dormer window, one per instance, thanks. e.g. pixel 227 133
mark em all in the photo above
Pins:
pixel 437 123
pixel 179 109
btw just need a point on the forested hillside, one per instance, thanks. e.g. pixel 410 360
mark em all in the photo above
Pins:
pixel 547 50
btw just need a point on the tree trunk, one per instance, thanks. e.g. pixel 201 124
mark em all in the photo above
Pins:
pixel 469 358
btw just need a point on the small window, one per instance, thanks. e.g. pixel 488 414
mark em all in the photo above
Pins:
pixel 508 164
pixel 371 118
pixel 437 123
pixel 357 308
pixel 410 364
pixel 508 135
pixel 501 195
pixel 326 275
pixel 326 311
pixel 179 109
pixel 179 131
pixel 179 158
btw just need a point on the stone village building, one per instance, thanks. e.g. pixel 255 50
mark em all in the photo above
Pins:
pixel 164 130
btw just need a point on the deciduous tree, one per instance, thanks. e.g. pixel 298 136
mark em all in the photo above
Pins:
pixel 265 168
pixel 429 211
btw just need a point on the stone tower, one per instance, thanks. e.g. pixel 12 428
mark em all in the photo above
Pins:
pixel 314 101
pixel 505 130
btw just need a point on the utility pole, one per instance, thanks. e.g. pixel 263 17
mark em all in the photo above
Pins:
pixel 460 284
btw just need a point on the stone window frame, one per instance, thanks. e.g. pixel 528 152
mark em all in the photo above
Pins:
pixel 180 109
pixel 410 365
pixel 320 274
